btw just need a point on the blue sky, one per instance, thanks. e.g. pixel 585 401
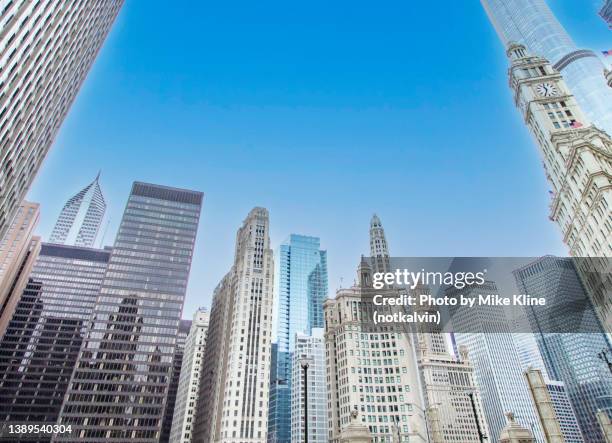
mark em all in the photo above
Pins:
pixel 323 112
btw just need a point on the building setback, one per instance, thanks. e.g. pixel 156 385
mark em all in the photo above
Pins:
pixel 118 391
pixel 181 339
pixel 46 50
pixel 234 390
pixel 79 222
pixel 189 381
pixel 39 350
pixel 301 288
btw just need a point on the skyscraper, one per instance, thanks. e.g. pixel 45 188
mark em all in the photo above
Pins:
pixel 46 50
pixel 486 335
pixel 570 358
pixel 18 251
pixel 371 369
pixel 179 351
pixel 532 23
pixel 189 381
pixel 79 222
pixel 309 349
pixel 301 289
pixel 39 350
pixel 379 250
pixel 131 342
pixel 577 158
pixel 235 385
pixel 606 11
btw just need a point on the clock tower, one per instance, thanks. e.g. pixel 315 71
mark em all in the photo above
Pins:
pixel 577 158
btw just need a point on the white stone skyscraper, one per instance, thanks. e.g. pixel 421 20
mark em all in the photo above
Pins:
pixel 577 159
pixel 46 50
pixel 79 222
pixel 234 389
pixel 532 23
pixel 379 250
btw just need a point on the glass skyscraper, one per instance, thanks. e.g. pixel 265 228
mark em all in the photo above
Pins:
pixel 532 23
pixel 570 358
pixel 39 349
pixel 301 289
pixel 79 222
pixel 118 391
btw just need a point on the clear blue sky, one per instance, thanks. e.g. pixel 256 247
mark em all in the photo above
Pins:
pixel 323 112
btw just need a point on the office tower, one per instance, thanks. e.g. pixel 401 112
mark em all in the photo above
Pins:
pixel 189 381
pixel 564 412
pixel 18 252
pixel 46 50
pixel 309 349
pixel 130 344
pixel 181 339
pixel 371 369
pixel 544 406
pixel 79 222
pixel 379 251
pixel 452 398
pixel 301 289
pixel 484 331
pixel 235 385
pixel 528 351
pixel 577 158
pixel 569 357
pixel 39 350
pixel 606 11
pixel 531 23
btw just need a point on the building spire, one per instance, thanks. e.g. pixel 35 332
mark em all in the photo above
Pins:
pixel 379 250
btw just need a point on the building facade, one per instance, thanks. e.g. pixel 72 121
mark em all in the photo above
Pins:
pixel 564 411
pixel 235 385
pixel 39 349
pixel 577 159
pixel 46 50
pixel 379 249
pixel 18 251
pixel 301 288
pixel 79 222
pixel 309 349
pixel 532 24
pixel 569 357
pixel 497 370
pixel 606 11
pixel 179 351
pixel 131 342
pixel 371 370
pixel 189 381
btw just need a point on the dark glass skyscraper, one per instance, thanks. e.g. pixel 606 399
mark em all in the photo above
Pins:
pixel 118 391
pixel 39 350
pixel 302 289
pixel 571 358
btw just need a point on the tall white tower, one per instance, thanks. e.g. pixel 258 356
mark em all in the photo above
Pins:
pixel 577 158
pixel 79 222
pixel 233 401
pixel 379 251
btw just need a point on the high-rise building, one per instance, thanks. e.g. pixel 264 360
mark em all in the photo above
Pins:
pixel 528 351
pixel 577 158
pixel 310 350
pixel 46 50
pixel 39 350
pixel 532 23
pixel 569 357
pixel 18 252
pixel 301 288
pixel 452 398
pixel 371 369
pixel 189 381
pixel 486 334
pixel 131 342
pixel 79 222
pixel 564 411
pixel 181 339
pixel 235 385
pixel 379 250
pixel 606 11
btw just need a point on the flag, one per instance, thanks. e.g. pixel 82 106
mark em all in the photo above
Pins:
pixel 576 124
pixel 607 53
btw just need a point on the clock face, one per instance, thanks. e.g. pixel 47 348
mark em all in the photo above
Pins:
pixel 547 89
